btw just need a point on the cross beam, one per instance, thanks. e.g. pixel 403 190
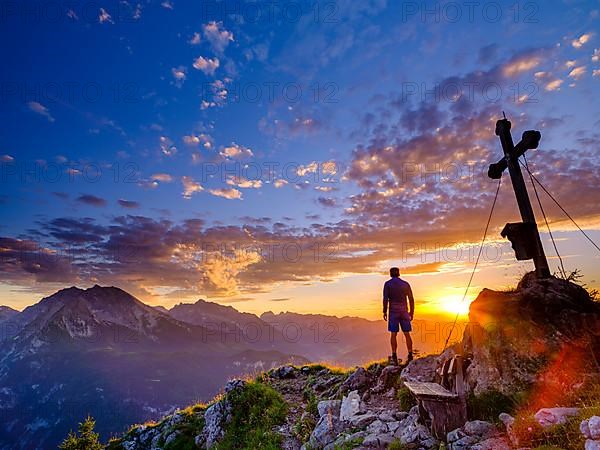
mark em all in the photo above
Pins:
pixel 524 236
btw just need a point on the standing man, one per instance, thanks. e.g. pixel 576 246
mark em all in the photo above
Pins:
pixel 395 293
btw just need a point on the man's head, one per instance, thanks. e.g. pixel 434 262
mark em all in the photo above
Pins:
pixel 394 272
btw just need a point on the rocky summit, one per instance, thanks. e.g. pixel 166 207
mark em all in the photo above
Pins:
pixel 530 372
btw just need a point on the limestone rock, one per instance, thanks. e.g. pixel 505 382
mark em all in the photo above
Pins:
pixel 591 444
pixel 554 416
pixel 351 405
pixel 359 380
pixel 421 369
pixel 331 407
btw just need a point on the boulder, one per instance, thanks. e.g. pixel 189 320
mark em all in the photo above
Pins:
pixel 594 426
pixel 284 372
pixel 554 416
pixel 591 444
pixel 497 443
pixel 421 369
pixel 378 440
pixel 411 432
pixel 359 380
pixel 362 420
pixel 215 417
pixel 331 407
pixel 388 378
pixel 351 406
pixel 377 427
pixel 480 428
pixel 326 431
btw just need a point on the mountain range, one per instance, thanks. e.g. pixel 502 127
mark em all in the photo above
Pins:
pixel 101 351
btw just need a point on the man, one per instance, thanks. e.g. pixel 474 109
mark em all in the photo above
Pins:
pixel 395 293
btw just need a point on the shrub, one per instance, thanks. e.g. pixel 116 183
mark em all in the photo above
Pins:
pixel 87 439
pixel 256 409
pixel 406 399
pixel 488 405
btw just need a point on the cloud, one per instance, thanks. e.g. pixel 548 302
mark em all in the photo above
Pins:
pixel 577 72
pixel 581 40
pixel 193 140
pixel 307 169
pixel 190 187
pixel 167 4
pixel 596 55
pixel 596 73
pixel 244 183
pixel 327 201
pixel 521 63
pixel 179 75
pixel 207 65
pixel 91 200
pixel 195 39
pixel 128 204
pixel 167 146
pixel 105 17
pixel 284 299
pixel 554 85
pixel 40 109
pixel 6 158
pixel 279 183
pixel 218 37
pixel 236 151
pixel 162 177
pixel 230 194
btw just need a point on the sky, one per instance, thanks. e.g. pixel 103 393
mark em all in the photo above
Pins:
pixel 283 155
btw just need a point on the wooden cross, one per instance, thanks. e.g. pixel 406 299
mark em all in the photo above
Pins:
pixel 524 236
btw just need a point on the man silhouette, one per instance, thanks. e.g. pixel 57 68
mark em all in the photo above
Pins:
pixel 395 293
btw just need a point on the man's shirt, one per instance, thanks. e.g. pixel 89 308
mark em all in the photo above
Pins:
pixel 396 292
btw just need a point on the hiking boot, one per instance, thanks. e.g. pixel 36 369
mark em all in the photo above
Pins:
pixel 410 357
pixel 393 360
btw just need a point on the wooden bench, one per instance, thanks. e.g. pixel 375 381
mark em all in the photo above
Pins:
pixel 439 408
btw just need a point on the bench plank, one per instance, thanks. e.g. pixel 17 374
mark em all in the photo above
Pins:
pixel 422 389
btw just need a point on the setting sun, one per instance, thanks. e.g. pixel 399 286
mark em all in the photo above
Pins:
pixel 454 304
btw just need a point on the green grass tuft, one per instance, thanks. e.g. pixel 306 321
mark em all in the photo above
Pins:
pixel 256 410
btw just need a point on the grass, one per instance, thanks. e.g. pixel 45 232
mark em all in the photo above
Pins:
pixel 256 409
pixel 566 436
pixel 488 405
pixel 397 445
pixel 406 399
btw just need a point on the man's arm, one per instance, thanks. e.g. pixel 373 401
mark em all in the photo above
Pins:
pixel 411 301
pixel 385 300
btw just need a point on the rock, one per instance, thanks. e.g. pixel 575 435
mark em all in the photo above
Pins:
pixel 463 443
pixel 506 419
pixel 377 427
pixel 554 416
pixel 455 435
pixel 324 383
pixel 234 384
pixel 325 432
pixel 585 429
pixel 411 432
pixel 359 380
pixel 388 378
pixel 343 438
pixel 171 437
pixel 284 372
pixel 421 369
pixel 329 407
pixel 393 426
pixel 386 417
pixel 492 444
pixel 362 420
pixel 594 426
pixel 480 429
pixel 215 417
pixel 378 440
pixel 351 405
pixel 590 444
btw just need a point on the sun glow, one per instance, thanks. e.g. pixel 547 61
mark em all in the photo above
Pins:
pixel 454 304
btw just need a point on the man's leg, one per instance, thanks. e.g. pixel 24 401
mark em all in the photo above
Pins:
pixel 394 342
pixel 409 344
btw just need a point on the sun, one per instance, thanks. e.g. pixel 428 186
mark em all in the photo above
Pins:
pixel 454 304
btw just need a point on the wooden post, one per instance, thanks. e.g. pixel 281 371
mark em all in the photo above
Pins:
pixel 503 131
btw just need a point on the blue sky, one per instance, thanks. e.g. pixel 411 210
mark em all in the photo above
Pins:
pixel 162 130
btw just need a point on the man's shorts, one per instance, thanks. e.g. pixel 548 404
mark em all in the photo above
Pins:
pixel 399 320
